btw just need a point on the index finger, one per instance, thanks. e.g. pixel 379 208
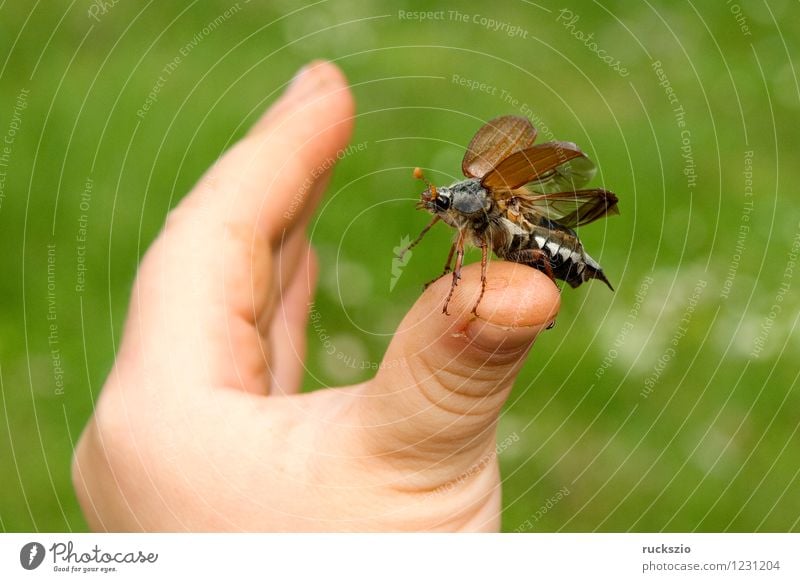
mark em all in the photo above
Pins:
pixel 206 283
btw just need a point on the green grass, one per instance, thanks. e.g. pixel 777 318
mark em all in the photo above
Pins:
pixel 712 447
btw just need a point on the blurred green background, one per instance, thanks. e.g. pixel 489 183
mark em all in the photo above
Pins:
pixel 671 404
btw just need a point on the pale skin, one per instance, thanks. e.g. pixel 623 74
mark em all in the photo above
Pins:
pixel 201 425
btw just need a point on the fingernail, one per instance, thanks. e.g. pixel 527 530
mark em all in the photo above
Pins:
pixel 309 79
pixel 297 80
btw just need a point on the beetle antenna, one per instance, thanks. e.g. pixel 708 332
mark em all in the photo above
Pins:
pixel 420 176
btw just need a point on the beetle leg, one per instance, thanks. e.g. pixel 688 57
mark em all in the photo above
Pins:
pixel 459 250
pixel 533 257
pixel 484 264
pixel 448 263
pixel 447 266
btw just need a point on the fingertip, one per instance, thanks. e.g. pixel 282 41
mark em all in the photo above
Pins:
pixel 317 83
pixel 284 163
pixel 526 298
pixel 517 297
pixel 519 303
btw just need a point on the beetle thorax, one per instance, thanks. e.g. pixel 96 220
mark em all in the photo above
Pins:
pixel 465 201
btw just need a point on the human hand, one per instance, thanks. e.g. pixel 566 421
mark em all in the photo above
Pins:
pixel 201 425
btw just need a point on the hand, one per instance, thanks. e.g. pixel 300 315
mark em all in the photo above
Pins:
pixel 201 426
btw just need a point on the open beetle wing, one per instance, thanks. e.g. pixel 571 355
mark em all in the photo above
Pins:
pixel 566 177
pixel 571 209
pixel 496 141
pixel 547 165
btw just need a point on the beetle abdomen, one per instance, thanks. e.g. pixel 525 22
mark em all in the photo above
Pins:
pixel 564 251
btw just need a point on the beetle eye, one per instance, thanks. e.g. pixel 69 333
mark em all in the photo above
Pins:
pixel 442 202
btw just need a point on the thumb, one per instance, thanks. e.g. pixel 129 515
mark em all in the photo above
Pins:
pixel 444 380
